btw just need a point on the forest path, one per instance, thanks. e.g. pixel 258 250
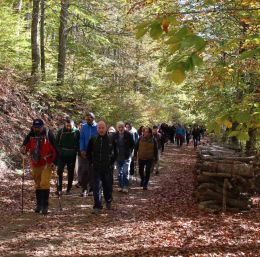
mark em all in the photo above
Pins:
pixel 162 221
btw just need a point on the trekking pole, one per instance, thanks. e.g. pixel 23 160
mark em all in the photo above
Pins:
pixel 23 180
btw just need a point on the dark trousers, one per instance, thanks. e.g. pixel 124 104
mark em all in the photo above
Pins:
pixel 70 163
pixel 163 143
pixel 103 179
pixel 145 167
pixel 179 139
pixel 87 176
pixel 195 141
pixel 132 167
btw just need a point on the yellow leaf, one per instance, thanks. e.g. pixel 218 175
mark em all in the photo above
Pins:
pixel 177 76
pixel 228 123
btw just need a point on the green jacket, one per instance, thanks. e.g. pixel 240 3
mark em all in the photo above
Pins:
pixel 67 142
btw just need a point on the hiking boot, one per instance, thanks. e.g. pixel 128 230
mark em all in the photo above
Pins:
pixel 38 201
pixel 45 201
pixel 45 211
pixel 108 206
pixel 120 190
pixel 68 192
pixel 141 183
pixel 145 188
pixel 84 193
pixel 90 193
pixel 58 193
pixel 78 185
pixel 96 211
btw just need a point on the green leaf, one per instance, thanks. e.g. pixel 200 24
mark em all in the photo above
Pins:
pixel 173 65
pixel 243 117
pixel 141 32
pixel 249 54
pixel 189 65
pixel 243 136
pixel 174 47
pixel 196 60
pixel 178 36
pixel 233 133
pixel 156 30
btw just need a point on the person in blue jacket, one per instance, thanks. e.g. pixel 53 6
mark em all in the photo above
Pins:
pixel 88 130
pixel 180 134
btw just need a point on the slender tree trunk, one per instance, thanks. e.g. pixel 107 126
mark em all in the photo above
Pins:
pixel 42 39
pixel 34 40
pixel 62 41
pixel 18 6
pixel 251 143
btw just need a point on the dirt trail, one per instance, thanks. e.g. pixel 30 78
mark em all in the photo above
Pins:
pixel 163 221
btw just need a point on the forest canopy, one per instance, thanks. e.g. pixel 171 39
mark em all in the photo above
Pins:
pixel 142 61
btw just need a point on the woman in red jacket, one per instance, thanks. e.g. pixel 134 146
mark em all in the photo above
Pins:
pixel 40 145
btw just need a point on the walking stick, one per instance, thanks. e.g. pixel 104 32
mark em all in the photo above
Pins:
pixel 23 180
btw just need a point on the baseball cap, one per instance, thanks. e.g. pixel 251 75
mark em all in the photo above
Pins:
pixel 38 123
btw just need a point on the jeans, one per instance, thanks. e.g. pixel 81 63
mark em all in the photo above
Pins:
pixel 145 167
pixel 62 162
pixel 123 172
pixel 103 179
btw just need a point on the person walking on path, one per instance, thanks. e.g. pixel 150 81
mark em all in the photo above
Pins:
pixel 88 130
pixel 67 142
pixel 102 153
pixel 164 137
pixel 196 135
pixel 129 127
pixel 40 143
pixel 147 152
pixel 188 135
pixel 158 137
pixel 180 135
pixel 125 146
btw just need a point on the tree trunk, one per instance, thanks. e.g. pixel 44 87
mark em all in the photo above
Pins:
pixel 34 41
pixel 62 41
pixel 42 39
pixel 251 143
pixel 18 6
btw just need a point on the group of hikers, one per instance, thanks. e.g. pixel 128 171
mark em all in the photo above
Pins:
pixel 180 133
pixel 98 151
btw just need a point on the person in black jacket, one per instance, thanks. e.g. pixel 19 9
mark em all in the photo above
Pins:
pixel 125 146
pixel 102 154
pixel 67 141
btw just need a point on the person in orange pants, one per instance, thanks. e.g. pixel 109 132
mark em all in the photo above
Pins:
pixel 41 147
